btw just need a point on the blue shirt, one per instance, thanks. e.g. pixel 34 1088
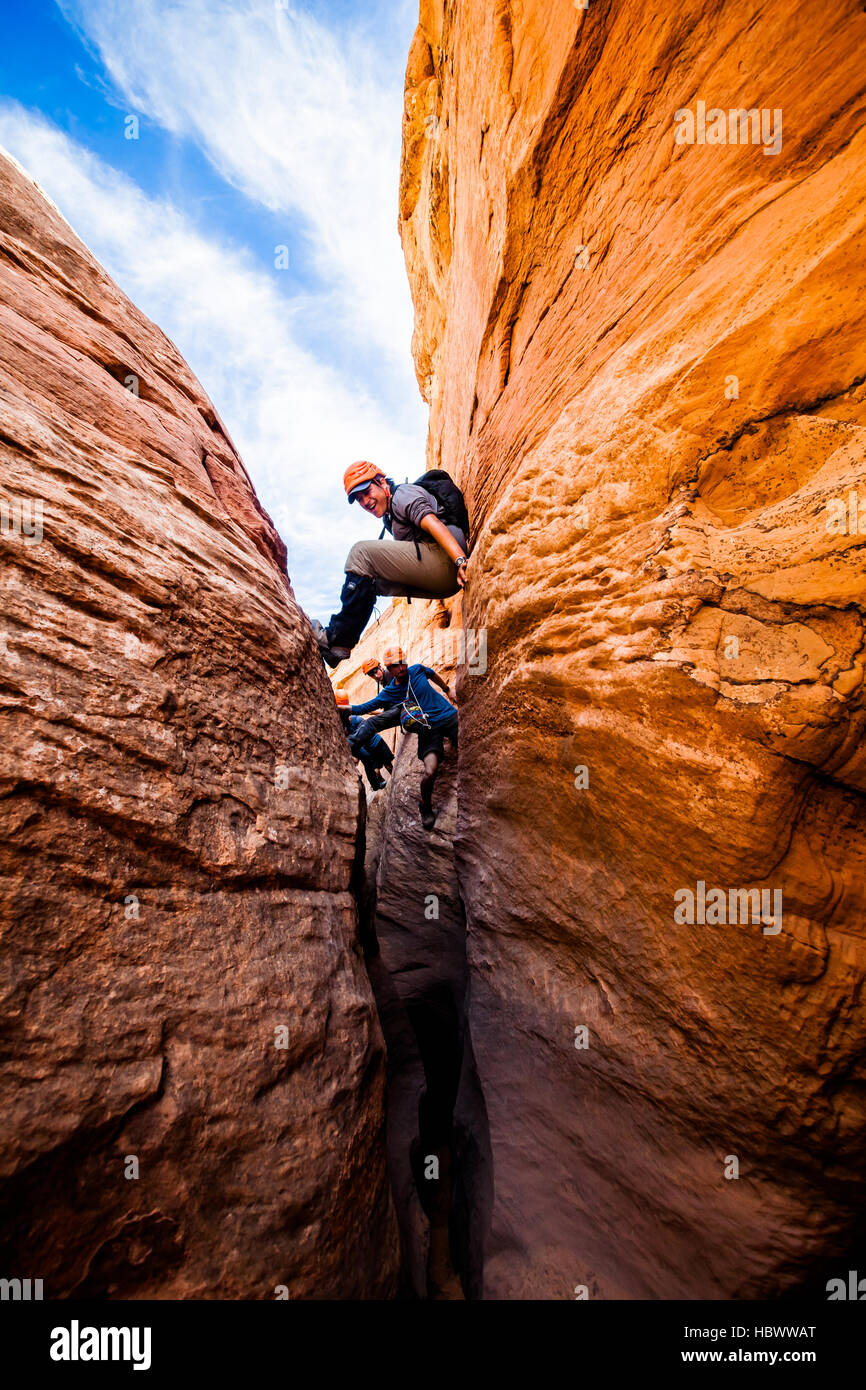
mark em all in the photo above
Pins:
pixel 437 709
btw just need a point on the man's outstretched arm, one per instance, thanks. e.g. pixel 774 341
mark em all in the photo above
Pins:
pixel 368 706
pixel 437 680
pixel 381 701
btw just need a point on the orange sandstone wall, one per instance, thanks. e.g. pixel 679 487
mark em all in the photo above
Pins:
pixel 645 361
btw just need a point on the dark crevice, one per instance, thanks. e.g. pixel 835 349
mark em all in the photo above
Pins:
pixel 123 375
pixel 212 422
pixel 17 445
pixel 438 1144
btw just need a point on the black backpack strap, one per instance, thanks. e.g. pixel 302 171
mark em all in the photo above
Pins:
pixel 389 522
pixel 387 519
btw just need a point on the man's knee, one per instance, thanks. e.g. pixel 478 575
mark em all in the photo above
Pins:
pixel 358 560
pixel 387 719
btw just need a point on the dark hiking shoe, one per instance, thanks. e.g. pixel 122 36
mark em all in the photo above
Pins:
pixel 332 655
pixel 428 815
pixel 378 784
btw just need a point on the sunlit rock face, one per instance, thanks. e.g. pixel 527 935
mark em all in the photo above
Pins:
pixel 644 354
pixel 193 1089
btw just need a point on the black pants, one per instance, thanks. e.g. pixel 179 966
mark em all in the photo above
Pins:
pixel 385 718
pixel 371 767
pixel 357 599
pixel 430 740
pixel 370 749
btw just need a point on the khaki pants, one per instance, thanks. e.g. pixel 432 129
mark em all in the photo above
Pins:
pixel 398 571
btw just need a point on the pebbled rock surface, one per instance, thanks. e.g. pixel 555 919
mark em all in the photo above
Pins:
pixel 645 363
pixel 178 813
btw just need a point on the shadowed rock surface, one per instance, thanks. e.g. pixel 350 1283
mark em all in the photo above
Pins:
pixel 437 1145
pixel 178 811
pixel 645 363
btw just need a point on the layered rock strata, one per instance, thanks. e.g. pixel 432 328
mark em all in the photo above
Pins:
pixel 193 1079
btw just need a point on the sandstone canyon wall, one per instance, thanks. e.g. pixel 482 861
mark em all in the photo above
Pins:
pixel 645 362
pixel 179 815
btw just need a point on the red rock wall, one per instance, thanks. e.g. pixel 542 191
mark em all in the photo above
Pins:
pixel 178 814
pixel 645 363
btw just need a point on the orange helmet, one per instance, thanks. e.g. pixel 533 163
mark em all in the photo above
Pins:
pixel 358 477
pixel 343 698
pixel 371 664
pixel 394 656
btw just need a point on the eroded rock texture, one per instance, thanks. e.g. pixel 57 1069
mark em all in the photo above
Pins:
pixel 437 1133
pixel 178 820
pixel 645 363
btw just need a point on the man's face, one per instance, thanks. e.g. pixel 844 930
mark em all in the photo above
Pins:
pixel 379 674
pixel 398 672
pixel 375 500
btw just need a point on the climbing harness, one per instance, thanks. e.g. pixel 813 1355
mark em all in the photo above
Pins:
pixel 412 716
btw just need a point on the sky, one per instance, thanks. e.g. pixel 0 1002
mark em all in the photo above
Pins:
pixel 254 219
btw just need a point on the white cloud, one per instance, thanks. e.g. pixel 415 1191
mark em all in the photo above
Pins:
pixel 301 118
pixel 296 422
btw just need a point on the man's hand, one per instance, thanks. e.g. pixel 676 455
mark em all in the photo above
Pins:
pixel 443 686
pixel 440 533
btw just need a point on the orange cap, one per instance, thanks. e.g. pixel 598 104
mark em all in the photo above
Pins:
pixel 371 664
pixel 343 697
pixel 394 656
pixel 357 473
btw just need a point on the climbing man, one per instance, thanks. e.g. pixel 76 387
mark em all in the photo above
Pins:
pixel 425 559
pixel 367 747
pixel 422 710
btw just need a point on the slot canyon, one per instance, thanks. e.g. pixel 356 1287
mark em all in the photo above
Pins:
pixel 355 1059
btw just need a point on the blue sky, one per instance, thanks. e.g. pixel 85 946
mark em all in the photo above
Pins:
pixel 261 124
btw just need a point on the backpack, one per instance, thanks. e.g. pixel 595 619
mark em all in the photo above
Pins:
pixel 452 503
pixel 451 500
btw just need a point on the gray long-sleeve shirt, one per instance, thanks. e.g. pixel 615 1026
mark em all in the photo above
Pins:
pixel 409 506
